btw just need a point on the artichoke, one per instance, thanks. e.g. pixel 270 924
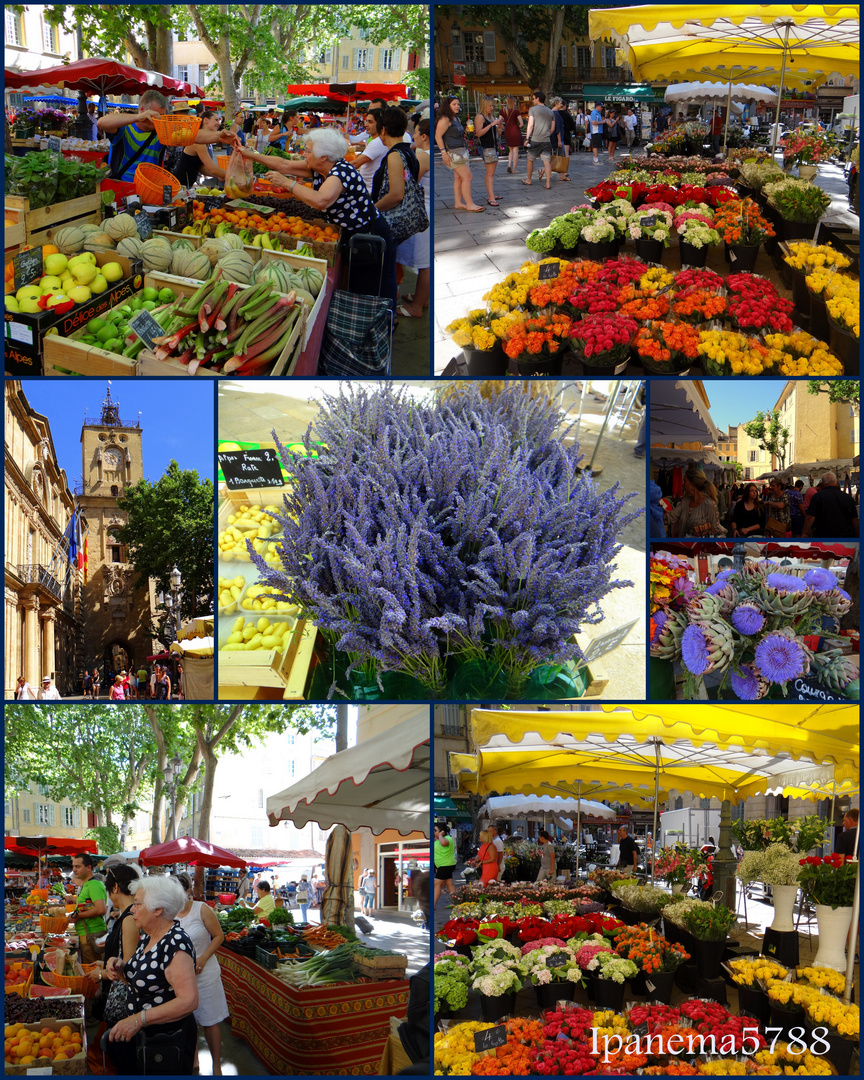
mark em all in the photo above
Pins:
pixel 835 670
pixel 706 606
pixel 728 597
pixel 718 638
pixel 833 602
pixel 668 643
pixel 787 605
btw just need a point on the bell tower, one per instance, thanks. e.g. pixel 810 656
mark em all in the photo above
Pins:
pixel 115 613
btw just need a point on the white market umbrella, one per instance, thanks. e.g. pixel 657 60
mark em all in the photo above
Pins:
pixel 382 783
pixel 680 413
pixel 702 92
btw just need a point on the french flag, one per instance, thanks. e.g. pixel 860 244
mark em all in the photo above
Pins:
pixel 75 550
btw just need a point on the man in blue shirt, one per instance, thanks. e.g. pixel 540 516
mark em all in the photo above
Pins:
pixel 133 136
pixel 596 122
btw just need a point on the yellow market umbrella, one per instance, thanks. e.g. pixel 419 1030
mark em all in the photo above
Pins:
pixel 681 41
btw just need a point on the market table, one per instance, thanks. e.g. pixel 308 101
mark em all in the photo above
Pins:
pixel 334 1029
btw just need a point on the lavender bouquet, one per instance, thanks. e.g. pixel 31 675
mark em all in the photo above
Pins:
pixel 750 626
pixel 430 537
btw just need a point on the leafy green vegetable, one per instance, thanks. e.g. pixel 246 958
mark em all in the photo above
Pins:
pixel 280 917
pixel 345 931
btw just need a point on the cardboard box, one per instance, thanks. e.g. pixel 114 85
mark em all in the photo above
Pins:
pixel 76 1066
pixel 25 334
pixel 394 1059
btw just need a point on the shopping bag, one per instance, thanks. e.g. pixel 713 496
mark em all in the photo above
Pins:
pixel 239 178
pixel 560 163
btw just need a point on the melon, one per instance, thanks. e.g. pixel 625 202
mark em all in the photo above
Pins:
pixel 100 239
pixel 191 264
pixel 214 249
pixel 181 245
pixel 276 273
pixel 310 279
pixel 237 266
pixel 120 226
pixel 156 255
pixel 69 239
pixel 130 246
pixel 234 242
pixel 87 229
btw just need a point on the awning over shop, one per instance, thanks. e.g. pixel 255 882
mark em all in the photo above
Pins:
pixel 646 95
pixel 668 456
pixel 680 413
pixel 446 808
pixel 382 783
pixel 714 91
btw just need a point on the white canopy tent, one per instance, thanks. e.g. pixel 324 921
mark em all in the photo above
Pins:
pixel 679 413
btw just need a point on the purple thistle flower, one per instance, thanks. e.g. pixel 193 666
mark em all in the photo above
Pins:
pixel 779 658
pixel 660 619
pixel 748 619
pixel 747 686
pixel 694 650
pixel 845 595
pixel 785 583
pixel 820 579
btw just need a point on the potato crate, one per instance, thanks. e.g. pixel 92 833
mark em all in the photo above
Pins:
pixel 381 968
pixel 286 670
pixel 75 1066
pixel 24 226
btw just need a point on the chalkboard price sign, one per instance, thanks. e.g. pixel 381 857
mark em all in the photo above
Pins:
pixel 54 144
pixel 28 266
pixel 144 225
pixel 146 327
pixel 251 468
pixel 810 689
pixel 549 270
pixel 489 1038
pixel 167 194
pixel 556 960
pixel 649 221
pixel 608 642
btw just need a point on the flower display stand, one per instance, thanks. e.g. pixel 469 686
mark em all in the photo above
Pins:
pixel 754 1000
pixel 781 945
pixel 609 994
pixel 833 930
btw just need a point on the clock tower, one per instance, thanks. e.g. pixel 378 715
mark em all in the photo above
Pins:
pixel 115 614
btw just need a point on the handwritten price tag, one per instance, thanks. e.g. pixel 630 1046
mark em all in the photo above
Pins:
pixel 251 468
pixel 490 1038
pixel 549 270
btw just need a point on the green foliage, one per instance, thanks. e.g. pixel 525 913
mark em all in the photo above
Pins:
pixel 710 923
pixel 839 391
pixel 767 430
pixel 170 523
pixel 799 835
pixel 107 838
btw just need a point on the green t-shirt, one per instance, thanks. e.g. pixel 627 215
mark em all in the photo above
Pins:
pixel 267 904
pixel 90 892
pixel 445 854
pixel 142 675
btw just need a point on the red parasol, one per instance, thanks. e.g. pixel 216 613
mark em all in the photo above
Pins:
pixel 98 75
pixel 349 91
pixel 813 550
pixel 37 846
pixel 187 849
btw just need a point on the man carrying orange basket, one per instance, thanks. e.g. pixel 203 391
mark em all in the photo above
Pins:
pixel 134 140
pixel 89 914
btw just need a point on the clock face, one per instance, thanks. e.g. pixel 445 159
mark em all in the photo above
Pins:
pixel 113 458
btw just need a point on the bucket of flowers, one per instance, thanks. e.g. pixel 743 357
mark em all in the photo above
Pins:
pixel 645 306
pixel 807 151
pixel 657 959
pixel 600 237
pixel 479 334
pixel 602 343
pixel 697 306
pixel 752 314
pixel 829 883
pixel 842 304
pixel 613 971
pixel 666 348
pixel 743 227
pixel 799 353
pixel 695 236
pixel 710 926
pixel 497 975
pixel 451 980
pixel 552 968
pixel 537 342
pixel 650 229
pixel 678 865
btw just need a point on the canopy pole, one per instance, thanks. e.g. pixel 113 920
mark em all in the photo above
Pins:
pixel 780 90
pixel 578 825
pixel 852 939
pixel 728 111
pixel 656 800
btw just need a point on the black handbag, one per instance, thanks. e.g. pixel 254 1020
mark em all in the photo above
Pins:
pixel 409 217
pixel 161 1054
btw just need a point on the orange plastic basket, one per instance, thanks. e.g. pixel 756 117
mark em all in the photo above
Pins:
pixel 149 181
pixel 177 130
pixel 78 984
pixel 222 160
pixel 50 924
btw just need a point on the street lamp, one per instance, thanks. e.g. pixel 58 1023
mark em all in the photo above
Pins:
pixel 171 772
pixel 176 582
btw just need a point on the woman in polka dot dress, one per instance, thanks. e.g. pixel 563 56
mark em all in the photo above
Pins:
pixel 162 987
pixel 338 193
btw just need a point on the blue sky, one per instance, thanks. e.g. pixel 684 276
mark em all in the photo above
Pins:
pixel 176 418
pixel 735 401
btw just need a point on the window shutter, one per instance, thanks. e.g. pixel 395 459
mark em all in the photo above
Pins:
pixel 563 56
pixel 35 813
pixel 345 59
pixel 397 59
pixel 382 59
pixel 575 56
pixel 490 53
pixel 76 817
pixel 356 60
pixel 458 49
pixel 52 814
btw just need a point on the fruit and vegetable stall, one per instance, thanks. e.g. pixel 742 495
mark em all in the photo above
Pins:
pixel 309 999
pixel 229 286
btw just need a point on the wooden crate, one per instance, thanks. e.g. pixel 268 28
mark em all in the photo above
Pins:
pixel 381 968
pixel 286 670
pixel 40 225
pixel 76 1066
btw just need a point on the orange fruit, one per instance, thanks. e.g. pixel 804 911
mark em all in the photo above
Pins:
pixel 28 1059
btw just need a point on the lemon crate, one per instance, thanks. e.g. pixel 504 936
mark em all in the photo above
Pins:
pixel 26 227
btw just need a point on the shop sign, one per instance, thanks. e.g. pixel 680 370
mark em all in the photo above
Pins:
pixel 250 468
pixel 27 266
pixel 608 642
pixel 809 689
pixel 458 74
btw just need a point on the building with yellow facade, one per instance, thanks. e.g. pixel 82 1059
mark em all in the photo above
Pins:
pixel 34 813
pixel 727 444
pixel 42 612
pixel 752 457
pixel 818 429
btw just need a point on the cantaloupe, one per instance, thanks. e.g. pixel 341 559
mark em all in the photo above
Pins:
pixel 130 246
pixel 191 264
pixel 310 279
pixel 236 266
pixel 69 239
pixel 88 229
pixel 156 255
pixel 181 245
pixel 120 226
pixel 215 248
pixel 234 242
pixel 276 273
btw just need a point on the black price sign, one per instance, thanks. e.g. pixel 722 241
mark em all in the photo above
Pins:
pixel 641 1030
pixel 810 689
pixel 251 468
pixel 28 266
pixel 649 221
pixel 489 1038
pixel 54 144
pixel 556 960
pixel 146 327
pixel 167 194
pixel 549 270
pixel 144 225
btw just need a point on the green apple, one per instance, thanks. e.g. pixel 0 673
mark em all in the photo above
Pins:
pixel 55 264
pixel 166 296
pixel 112 271
pixel 150 293
pixel 30 304
pixel 81 294
pixel 49 283
pixel 98 284
pixel 55 299
pixel 28 292
pixel 11 303
pixel 107 332
pixel 83 273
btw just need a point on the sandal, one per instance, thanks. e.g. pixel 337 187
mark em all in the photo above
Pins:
pixel 488 203
pixel 509 169
pixel 527 183
pixel 565 179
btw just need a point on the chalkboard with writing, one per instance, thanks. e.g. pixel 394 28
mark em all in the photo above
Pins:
pixel 27 266
pixel 489 1038
pixel 54 144
pixel 556 960
pixel 251 468
pixel 809 689
pixel 146 327
pixel 549 270
pixel 143 224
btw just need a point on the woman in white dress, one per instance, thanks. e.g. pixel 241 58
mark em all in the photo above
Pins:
pixel 415 250
pixel 200 923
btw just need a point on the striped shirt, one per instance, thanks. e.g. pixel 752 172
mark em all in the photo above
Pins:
pixel 131 138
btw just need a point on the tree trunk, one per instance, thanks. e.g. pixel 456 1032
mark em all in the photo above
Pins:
pixel 341 728
pixel 210 762
pixel 548 79
pixel 512 50
pixel 163 58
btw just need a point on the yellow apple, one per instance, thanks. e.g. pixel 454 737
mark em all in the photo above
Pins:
pixel 11 303
pixel 112 271
pixel 80 294
pixel 85 256
pixel 98 284
pixel 49 283
pixel 56 299
pixel 83 273
pixel 30 304
pixel 27 292
pixel 55 264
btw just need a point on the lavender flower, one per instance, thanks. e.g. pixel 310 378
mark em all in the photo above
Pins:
pixel 780 658
pixel 785 583
pixel 659 623
pixel 749 685
pixel 748 619
pixel 694 650
pixel 821 580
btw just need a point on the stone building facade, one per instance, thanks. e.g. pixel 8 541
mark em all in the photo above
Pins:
pixel 116 629
pixel 42 601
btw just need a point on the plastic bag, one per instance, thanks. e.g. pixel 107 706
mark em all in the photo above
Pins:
pixel 239 178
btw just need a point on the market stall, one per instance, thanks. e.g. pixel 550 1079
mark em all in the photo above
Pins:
pixel 565 954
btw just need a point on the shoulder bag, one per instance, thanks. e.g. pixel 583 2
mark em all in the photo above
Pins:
pixel 118 165
pixel 409 217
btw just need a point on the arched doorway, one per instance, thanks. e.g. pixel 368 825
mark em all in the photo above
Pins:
pixel 118 657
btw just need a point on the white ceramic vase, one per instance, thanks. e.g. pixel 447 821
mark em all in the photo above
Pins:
pixel 833 930
pixel 784 907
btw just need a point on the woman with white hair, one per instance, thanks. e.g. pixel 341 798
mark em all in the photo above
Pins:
pixel 162 990
pixel 338 192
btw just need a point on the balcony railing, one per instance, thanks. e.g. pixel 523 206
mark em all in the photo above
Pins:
pixel 476 67
pixel 591 74
pixel 36 574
